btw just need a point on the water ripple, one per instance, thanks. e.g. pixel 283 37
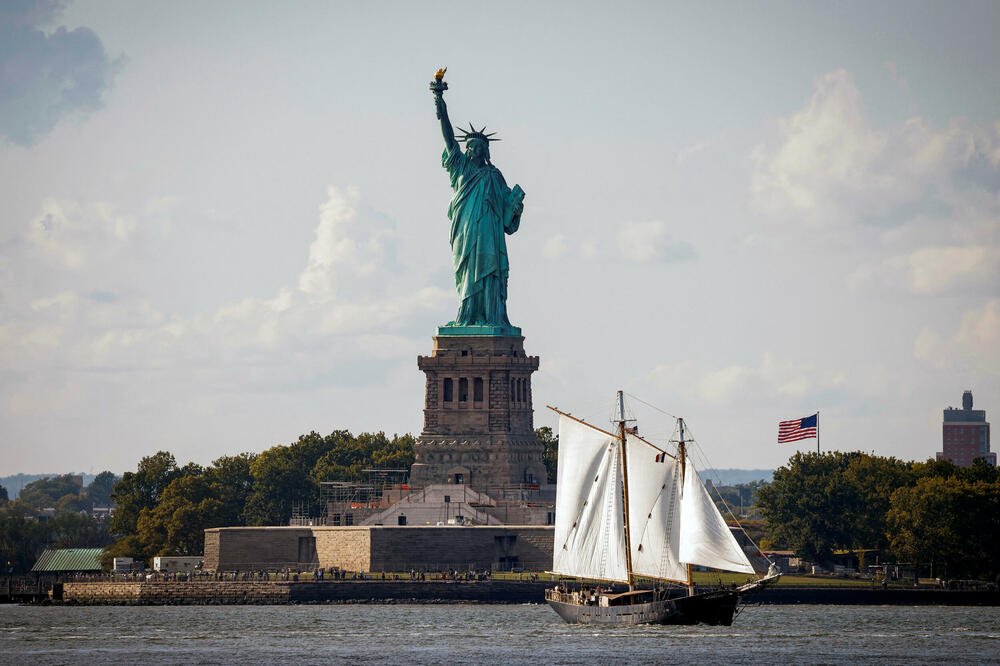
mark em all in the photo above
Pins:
pixel 431 634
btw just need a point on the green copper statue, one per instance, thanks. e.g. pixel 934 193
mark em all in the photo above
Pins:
pixel 481 212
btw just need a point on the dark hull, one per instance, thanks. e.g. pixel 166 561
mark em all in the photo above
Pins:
pixel 716 608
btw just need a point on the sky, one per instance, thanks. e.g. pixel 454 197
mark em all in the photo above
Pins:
pixel 223 225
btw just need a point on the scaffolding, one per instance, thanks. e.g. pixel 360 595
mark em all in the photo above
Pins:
pixel 302 515
pixel 348 503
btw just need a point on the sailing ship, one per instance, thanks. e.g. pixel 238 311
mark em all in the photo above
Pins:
pixel 627 509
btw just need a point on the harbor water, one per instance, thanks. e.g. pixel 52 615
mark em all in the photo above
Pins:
pixel 488 634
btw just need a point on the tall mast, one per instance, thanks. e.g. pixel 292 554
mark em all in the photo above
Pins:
pixel 628 537
pixel 682 456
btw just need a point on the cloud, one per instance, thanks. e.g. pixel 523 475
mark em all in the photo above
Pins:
pixel 769 381
pixel 973 347
pixel 29 12
pixel 686 153
pixel 917 202
pixel 394 312
pixel 649 242
pixel 933 270
pixel 73 234
pixel 45 77
pixel 116 329
pixel 828 167
pixel 696 150
pixel 555 247
pixel 344 241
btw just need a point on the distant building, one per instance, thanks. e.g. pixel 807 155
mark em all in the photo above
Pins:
pixel 123 564
pixel 102 511
pixel 178 564
pixel 966 435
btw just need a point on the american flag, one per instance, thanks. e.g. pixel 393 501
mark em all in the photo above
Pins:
pixel 792 431
pixel 634 430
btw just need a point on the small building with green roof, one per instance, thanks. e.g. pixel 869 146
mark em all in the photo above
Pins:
pixel 69 560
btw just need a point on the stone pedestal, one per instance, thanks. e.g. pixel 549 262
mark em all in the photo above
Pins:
pixel 478 421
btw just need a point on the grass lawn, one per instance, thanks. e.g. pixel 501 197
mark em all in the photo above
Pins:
pixel 708 578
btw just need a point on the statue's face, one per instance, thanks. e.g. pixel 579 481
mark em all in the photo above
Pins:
pixel 477 151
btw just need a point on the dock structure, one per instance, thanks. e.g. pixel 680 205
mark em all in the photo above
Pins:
pixel 24 589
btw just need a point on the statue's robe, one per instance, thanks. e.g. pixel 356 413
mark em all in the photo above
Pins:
pixel 481 212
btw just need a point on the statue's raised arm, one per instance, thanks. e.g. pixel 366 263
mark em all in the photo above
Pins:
pixel 438 86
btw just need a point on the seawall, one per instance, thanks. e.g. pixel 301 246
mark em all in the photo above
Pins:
pixel 159 593
pixel 162 593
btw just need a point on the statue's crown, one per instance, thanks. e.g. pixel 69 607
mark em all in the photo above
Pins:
pixel 473 133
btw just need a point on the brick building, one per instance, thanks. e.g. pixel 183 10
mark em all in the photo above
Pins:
pixel 965 435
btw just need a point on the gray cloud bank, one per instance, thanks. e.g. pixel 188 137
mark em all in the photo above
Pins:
pixel 45 77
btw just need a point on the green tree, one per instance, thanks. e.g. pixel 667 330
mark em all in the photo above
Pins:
pixel 397 453
pixel 818 503
pixel 551 454
pixel 192 502
pixel 141 490
pixel 348 456
pixel 4 498
pixel 99 491
pixel 72 530
pixel 73 503
pixel 951 522
pixel 231 482
pixel 980 470
pixel 23 537
pixel 126 546
pixel 872 480
pixel 282 477
pixel 44 493
pixel 345 456
pixel 286 475
pixel 177 524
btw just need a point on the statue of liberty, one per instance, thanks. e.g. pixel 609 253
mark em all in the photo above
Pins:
pixel 481 212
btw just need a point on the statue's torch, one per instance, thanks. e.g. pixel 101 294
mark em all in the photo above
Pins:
pixel 438 85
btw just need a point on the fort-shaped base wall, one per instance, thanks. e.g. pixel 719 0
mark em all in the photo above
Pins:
pixel 379 548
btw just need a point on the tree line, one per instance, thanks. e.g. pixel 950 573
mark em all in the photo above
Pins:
pixel 27 529
pixel 918 512
pixel 164 509
pixel 929 512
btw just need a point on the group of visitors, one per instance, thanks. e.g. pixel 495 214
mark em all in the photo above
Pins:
pixel 288 574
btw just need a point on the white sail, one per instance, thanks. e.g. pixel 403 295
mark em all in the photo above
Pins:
pixel 705 537
pixel 589 540
pixel 654 512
